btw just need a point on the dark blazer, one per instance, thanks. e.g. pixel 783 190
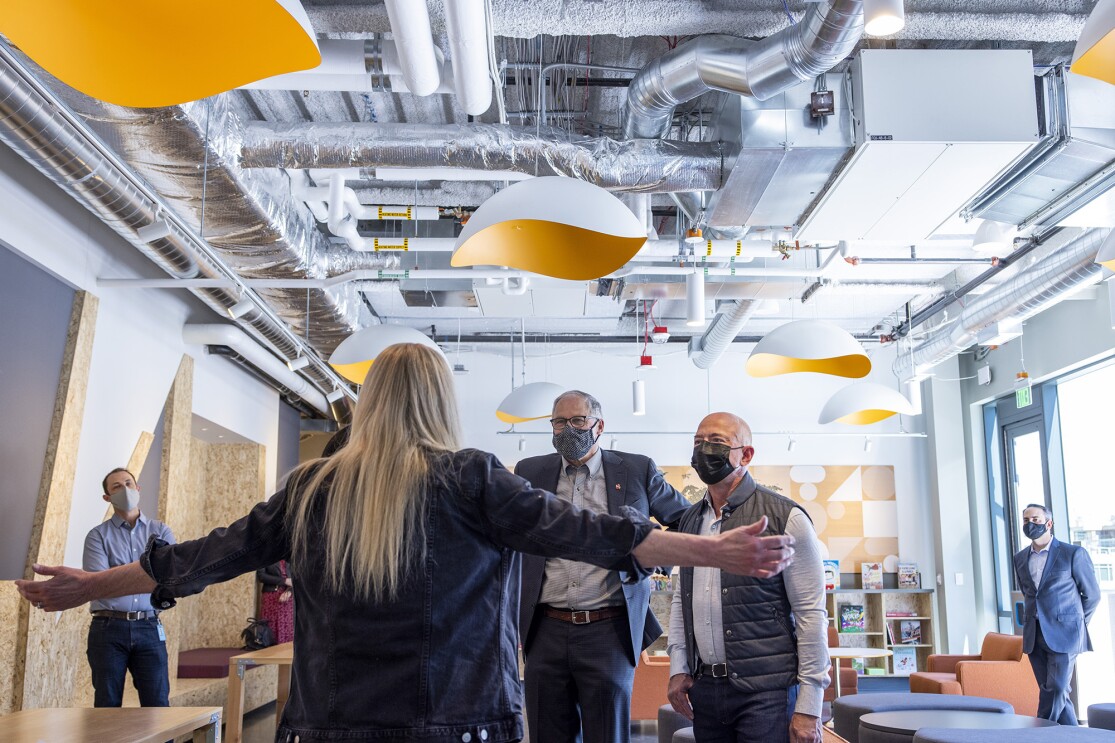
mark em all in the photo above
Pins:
pixel 630 480
pixel 1064 602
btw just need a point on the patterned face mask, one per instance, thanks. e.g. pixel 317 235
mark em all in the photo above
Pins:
pixel 574 443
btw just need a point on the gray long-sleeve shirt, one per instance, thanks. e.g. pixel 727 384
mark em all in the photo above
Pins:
pixel 805 588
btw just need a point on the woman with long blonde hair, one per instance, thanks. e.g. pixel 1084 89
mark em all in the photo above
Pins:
pixel 404 553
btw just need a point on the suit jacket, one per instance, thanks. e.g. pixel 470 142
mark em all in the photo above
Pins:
pixel 1064 601
pixel 629 480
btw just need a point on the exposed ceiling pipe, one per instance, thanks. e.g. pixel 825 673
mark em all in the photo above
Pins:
pixel 410 25
pixel 707 349
pixel 634 165
pixel 387 212
pixel 229 335
pixel 1022 296
pixel 826 34
pixel 468 46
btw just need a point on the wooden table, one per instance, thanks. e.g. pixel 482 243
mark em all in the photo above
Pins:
pixel 837 653
pixel 276 655
pixel 119 725
pixel 908 722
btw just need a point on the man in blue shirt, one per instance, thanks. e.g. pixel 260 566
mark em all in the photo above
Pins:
pixel 126 634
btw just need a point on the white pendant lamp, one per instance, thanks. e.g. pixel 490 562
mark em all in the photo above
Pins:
pixel 808 346
pixel 353 358
pixel 993 238
pixel 1106 256
pixel 638 397
pixel 695 299
pixel 560 227
pixel 864 403
pixel 529 402
pixel 883 17
pixel 1095 50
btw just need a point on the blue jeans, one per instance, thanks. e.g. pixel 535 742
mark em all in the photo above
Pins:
pixel 724 714
pixel 116 646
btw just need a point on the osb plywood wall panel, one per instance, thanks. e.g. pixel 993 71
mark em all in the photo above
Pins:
pixel 228 480
pixel 11 659
pixel 853 508
pixel 51 641
pixel 176 501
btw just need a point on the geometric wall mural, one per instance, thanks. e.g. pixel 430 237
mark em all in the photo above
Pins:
pixel 853 508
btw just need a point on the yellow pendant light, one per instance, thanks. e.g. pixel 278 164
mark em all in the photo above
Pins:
pixel 808 346
pixel 864 403
pixel 148 53
pixel 1106 255
pixel 354 356
pixel 1094 55
pixel 529 402
pixel 559 227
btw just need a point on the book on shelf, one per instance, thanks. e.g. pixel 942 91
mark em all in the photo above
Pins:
pixel 852 618
pixel 908 575
pixel 872 573
pixel 905 660
pixel 874 671
pixel 890 634
pixel 832 574
pixel 857 665
pixel 901 613
pixel 909 632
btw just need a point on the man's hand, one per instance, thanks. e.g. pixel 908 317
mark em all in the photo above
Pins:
pixel 67 589
pixel 803 728
pixel 678 694
pixel 743 552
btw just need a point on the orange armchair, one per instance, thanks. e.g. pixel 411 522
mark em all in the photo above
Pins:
pixel 849 677
pixel 648 691
pixel 1001 671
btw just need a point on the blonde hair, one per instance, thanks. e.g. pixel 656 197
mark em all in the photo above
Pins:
pixel 373 528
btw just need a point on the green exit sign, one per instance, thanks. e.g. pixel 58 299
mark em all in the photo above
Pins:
pixel 1023 397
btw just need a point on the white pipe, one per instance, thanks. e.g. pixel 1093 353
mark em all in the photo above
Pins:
pixel 353 206
pixel 514 287
pixel 229 335
pixel 407 175
pixel 468 45
pixel 341 223
pixel 410 25
pixel 301 183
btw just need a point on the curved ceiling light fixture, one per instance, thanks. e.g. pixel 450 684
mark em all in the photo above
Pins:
pixel 529 402
pixel 1094 55
pixel 560 227
pixel 808 346
pixel 993 238
pixel 354 356
pixel 864 403
pixel 1106 255
pixel 147 54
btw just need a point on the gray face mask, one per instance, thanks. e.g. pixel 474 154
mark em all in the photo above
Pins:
pixel 574 443
pixel 125 499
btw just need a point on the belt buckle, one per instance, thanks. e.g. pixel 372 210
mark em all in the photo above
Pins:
pixel 584 617
pixel 132 616
pixel 718 670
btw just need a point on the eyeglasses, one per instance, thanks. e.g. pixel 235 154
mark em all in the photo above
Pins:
pixel 578 421
pixel 715 448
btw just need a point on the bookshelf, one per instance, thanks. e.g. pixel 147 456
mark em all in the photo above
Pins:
pixel 883 607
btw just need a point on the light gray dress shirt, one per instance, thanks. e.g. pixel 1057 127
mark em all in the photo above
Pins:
pixel 805 587
pixel 569 584
pixel 1037 561
pixel 114 543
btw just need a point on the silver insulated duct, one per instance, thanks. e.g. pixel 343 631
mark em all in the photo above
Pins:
pixel 707 350
pixel 1020 297
pixel 826 34
pixel 642 166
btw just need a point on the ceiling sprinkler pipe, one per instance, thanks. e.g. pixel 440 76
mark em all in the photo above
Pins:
pixel 467 28
pixel 410 25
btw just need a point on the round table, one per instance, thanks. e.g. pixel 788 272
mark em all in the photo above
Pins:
pixel 909 722
pixel 837 653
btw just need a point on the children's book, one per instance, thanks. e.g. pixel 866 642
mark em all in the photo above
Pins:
pixel 872 574
pixel 910 632
pixel 905 660
pixel 832 575
pixel 852 618
pixel 908 576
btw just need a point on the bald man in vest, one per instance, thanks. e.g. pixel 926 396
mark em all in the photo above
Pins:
pixel 748 656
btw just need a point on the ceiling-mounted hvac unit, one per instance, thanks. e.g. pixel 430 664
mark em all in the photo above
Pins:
pixel 932 128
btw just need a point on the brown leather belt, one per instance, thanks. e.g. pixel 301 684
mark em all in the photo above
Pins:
pixel 130 616
pixel 584 617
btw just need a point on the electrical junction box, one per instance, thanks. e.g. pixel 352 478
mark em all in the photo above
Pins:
pixel 983 374
pixel 931 128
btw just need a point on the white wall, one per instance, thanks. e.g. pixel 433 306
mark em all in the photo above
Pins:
pixel 138 343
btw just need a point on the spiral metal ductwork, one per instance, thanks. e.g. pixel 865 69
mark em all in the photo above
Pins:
pixel 719 337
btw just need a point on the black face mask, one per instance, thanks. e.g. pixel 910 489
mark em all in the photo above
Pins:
pixel 711 461
pixel 1034 531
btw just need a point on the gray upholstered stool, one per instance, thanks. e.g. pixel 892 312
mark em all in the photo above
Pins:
pixel 1101 716
pixel 1065 733
pixel 848 709
pixel 685 735
pixel 669 722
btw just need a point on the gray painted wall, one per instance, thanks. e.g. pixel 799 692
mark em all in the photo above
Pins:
pixel 289 432
pixel 34 317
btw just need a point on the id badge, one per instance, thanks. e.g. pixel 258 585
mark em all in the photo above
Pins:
pixel 162 631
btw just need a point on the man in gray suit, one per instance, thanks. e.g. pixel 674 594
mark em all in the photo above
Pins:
pixel 1061 592
pixel 582 628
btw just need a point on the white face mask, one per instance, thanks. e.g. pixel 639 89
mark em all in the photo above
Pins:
pixel 125 499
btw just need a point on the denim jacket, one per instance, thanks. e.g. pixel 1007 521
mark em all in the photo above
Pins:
pixel 439 662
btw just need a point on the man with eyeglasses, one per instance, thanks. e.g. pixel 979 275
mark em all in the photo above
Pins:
pixel 1061 593
pixel 748 656
pixel 583 628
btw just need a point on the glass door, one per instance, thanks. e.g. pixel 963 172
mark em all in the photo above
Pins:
pixel 1026 475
